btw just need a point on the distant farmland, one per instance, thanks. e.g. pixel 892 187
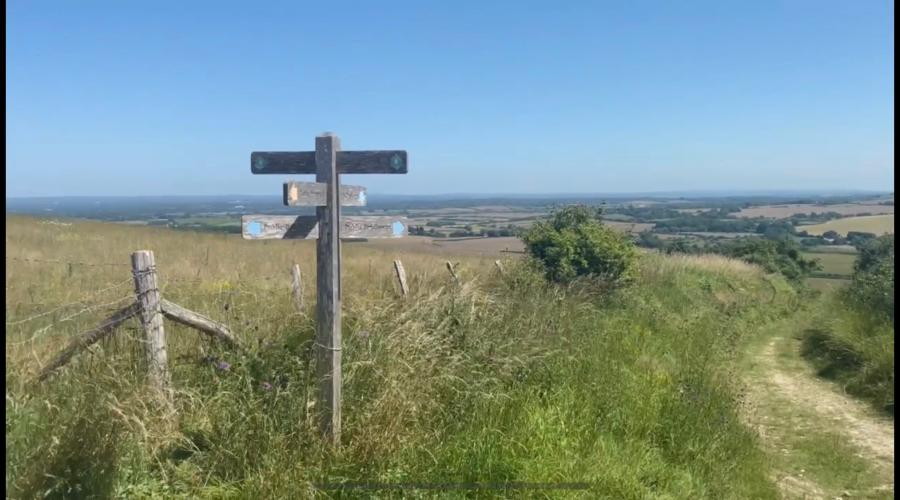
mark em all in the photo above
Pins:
pixel 834 263
pixel 878 224
pixel 784 211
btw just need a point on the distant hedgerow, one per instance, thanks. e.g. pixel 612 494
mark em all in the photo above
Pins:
pixel 574 243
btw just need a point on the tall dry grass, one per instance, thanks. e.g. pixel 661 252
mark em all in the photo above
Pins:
pixel 499 379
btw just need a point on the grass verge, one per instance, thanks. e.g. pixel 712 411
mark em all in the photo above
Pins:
pixel 854 349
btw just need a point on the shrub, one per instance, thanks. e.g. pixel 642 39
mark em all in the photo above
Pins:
pixel 859 239
pixel 873 277
pixel 573 243
pixel 781 256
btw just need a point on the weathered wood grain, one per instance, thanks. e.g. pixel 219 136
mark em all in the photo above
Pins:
pixel 312 194
pixel 288 227
pixel 89 338
pixel 146 288
pixel 328 290
pixel 297 287
pixel 452 271
pixel 348 162
pixel 189 318
pixel 401 277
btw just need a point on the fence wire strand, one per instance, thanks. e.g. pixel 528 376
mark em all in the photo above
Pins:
pixel 50 261
pixel 70 304
pixel 37 333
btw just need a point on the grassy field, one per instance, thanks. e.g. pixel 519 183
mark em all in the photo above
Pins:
pixel 499 379
pixel 845 249
pixel 833 263
pixel 877 224
pixel 505 247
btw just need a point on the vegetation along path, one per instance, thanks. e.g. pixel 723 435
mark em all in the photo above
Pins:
pixel 821 442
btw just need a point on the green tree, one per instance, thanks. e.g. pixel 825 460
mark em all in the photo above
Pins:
pixel 647 239
pixel 573 242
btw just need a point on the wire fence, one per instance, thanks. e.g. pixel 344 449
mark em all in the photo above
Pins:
pixel 70 304
pixel 66 262
pixel 182 287
pixel 39 333
pixel 123 264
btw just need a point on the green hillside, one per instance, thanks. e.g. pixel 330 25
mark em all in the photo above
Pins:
pixel 500 379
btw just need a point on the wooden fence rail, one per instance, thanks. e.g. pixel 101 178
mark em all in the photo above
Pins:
pixel 150 308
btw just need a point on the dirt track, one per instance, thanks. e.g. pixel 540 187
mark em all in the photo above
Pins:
pixel 791 402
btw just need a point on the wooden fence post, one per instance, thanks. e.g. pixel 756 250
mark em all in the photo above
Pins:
pixel 297 287
pixel 452 271
pixel 401 277
pixel 146 288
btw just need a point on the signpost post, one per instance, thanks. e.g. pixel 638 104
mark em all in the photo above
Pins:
pixel 327 162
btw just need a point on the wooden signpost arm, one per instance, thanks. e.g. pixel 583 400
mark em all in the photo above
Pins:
pixel 349 162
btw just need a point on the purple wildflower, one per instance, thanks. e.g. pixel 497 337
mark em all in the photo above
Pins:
pixel 223 366
pixel 266 386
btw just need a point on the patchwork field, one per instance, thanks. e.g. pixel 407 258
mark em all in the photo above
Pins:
pixel 630 227
pixel 785 211
pixel 877 224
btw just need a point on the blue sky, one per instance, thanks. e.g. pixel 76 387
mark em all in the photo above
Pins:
pixel 165 97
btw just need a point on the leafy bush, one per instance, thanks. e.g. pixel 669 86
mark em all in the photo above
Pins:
pixel 859 239
pixel 873 277
pixel 574 243
pixel 781 256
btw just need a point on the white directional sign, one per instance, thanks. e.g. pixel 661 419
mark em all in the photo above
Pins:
pixel 306 227
pixel 313 194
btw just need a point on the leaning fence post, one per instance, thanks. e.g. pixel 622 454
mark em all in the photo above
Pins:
pixel 452 271
pixel 146 288
pixel 297 287
pixel 401 277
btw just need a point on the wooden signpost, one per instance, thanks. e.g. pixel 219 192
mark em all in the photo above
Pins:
pixel 299 194
pixel 305 227
pixel 327 226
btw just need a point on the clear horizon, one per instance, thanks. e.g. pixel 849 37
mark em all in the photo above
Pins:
pixel 115 99
pixel 710 193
